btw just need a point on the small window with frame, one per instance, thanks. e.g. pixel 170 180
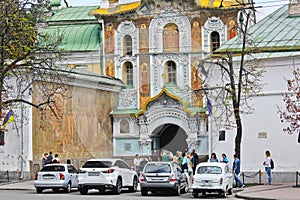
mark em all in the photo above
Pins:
pixel 222 135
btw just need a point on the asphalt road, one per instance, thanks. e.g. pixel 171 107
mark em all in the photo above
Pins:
pixel 93 194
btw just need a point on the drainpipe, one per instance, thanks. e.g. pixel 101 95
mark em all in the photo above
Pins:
pixel 22 131
pixel 101 28
pixel 22 141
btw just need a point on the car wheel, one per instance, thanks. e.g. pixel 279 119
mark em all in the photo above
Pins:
pixel 68 188
pixel 55 190
pixel 230 191
pixel 144 192
pixel 224 194
pixel 177 190
pixel 83 191
pixel 118 188
pixel 134 185
pixel 39 190
pixel 101 190
pixel 185 188
pixel 195 194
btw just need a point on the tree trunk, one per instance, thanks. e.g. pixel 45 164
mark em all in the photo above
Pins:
pixel 239 131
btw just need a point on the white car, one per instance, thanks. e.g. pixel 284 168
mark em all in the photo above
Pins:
pixel 106 174
pixel 56 176
pixel 212 177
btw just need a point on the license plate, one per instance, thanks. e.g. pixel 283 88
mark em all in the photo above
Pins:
pixel 157 179
pixel 206 185
pixel 94 173
pixel 48 177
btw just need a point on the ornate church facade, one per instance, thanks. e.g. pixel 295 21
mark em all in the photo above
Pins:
pixel 155 48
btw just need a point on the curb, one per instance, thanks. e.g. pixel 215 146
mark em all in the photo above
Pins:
pixel 252 198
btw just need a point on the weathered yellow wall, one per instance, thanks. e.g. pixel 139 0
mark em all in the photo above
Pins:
pixel 84 131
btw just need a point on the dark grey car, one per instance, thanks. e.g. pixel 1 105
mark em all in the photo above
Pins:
pixel 163 176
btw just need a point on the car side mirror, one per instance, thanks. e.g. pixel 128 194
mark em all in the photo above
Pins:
pixel 131 167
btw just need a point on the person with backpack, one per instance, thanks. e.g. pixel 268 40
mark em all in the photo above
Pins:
pixel 268 166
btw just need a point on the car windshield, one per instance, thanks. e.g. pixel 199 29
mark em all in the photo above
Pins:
pixel 97 164
pixel 209 170
pixel 158 168
pixel 53 168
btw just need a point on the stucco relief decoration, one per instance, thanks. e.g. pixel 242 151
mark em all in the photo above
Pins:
pixel 158 63
pixel 126 28
pixel 128 99
pixel 122 59
pixel 167 16
pixel 213 24
pixel 193 142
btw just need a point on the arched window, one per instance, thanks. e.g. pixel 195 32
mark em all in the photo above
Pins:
pixel 215 40
pixel 124 126
pixel 171 38
pixel 171 72
pixel 128 73
pixel 127 45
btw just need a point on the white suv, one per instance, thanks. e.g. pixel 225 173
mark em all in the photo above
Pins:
pixel 106 174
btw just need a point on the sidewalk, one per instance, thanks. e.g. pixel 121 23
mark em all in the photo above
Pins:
pixel 278 191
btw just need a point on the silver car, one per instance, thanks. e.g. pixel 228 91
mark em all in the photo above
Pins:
pixel 163 176
pixel 56 176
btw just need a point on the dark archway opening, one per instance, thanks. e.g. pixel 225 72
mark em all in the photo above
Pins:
pixel 169 137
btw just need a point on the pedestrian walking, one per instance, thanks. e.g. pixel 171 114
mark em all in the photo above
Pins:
pixel 50 157
pixel 267 164
pixel 194 160
pixel 45 159
pixel 137 164
pixel 143 162
pixel 154 156
pixel 236 170
pixel 56 159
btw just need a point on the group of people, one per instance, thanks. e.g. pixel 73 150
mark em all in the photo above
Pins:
pixel 187 160
pixel 236 166
pixel 48 159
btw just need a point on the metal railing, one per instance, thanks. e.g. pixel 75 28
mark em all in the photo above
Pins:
pixel 4 176
pixel 297 179
pixel 259 174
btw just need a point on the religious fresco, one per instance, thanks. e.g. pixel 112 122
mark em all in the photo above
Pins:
pixel 196 36
pixel 84 129
pixel 232 29
pixel 144 38
pixel 109 44
pixel 109 67
pixel 171 38
pixel 144 79
pixel 196 83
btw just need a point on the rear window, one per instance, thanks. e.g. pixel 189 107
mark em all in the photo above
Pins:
pixel 53 168
pixel 158 168
pixel 209 170
pixel 97 164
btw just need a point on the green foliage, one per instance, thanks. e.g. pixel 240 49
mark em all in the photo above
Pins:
pixel 26 55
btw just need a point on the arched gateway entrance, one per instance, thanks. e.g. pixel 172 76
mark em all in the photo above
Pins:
pixel 170 137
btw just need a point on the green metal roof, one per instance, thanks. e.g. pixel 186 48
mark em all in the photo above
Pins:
pixel 275 33
pixel 126 112
pixel 77 37
pixel 55 2
pixel 79 13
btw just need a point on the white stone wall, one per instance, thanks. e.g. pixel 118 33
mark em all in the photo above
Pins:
pixel 265 120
